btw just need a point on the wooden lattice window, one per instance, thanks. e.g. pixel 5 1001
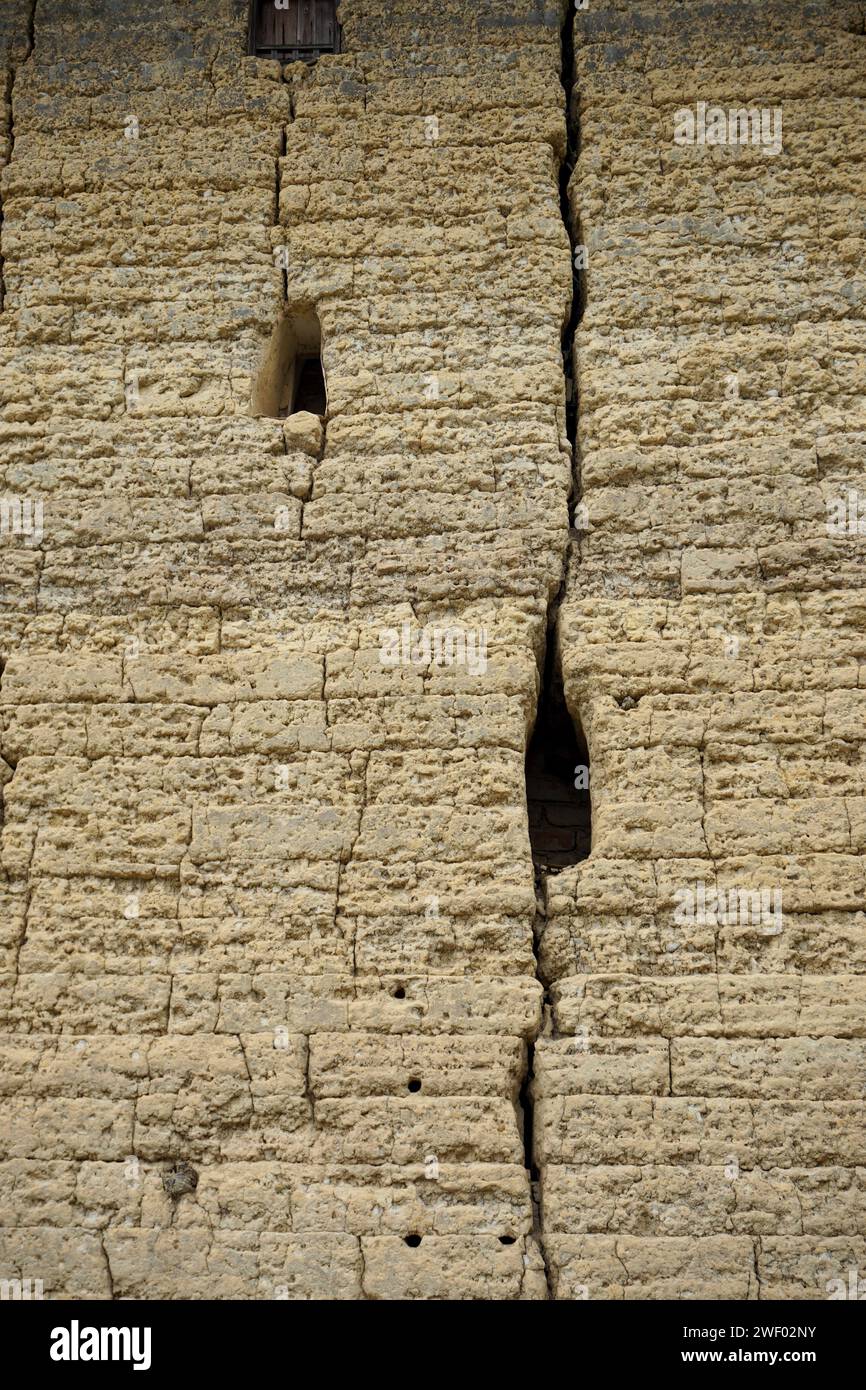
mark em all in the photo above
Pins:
pixel 293 30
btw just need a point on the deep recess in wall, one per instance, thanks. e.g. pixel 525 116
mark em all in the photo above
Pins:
pixel 291 377
pixel 310 388
pixel 557 779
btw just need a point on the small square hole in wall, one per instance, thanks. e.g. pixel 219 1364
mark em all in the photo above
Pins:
pixel 294 30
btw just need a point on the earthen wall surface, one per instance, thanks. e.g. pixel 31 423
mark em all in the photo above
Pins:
pixel 268 902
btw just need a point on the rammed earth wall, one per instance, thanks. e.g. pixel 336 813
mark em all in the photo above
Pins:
pixel 260 880
pixel 285 1013
pixel 701 1097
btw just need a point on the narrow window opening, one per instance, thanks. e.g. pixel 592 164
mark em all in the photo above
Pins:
pixel 291 377
pixel 310 391
pixel 557 782
pixel 294 30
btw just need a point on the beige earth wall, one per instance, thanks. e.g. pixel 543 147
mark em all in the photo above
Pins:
pixel 258 881
pixel 701 1097
pixel 268 905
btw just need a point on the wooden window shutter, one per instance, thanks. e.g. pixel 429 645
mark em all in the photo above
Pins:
pixel 294 29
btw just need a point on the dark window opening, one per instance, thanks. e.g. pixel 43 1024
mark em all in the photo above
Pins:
pixel 291 377
pixel 557 784
pixel 294 30
pixel 310 390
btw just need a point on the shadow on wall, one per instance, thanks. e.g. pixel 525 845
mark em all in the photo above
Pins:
pixel 291 377
pixel 557 784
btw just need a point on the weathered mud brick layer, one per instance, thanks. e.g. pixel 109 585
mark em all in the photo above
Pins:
pixel 267 898
pixel 700 1094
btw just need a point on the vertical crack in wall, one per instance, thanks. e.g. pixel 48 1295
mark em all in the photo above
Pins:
pixel 278 183
pixel 551 665
pixel 9 102
pixel 566 169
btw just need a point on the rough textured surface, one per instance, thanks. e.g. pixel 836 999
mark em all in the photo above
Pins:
pixel 701 1096
pixel 268 901
pixel 273 963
